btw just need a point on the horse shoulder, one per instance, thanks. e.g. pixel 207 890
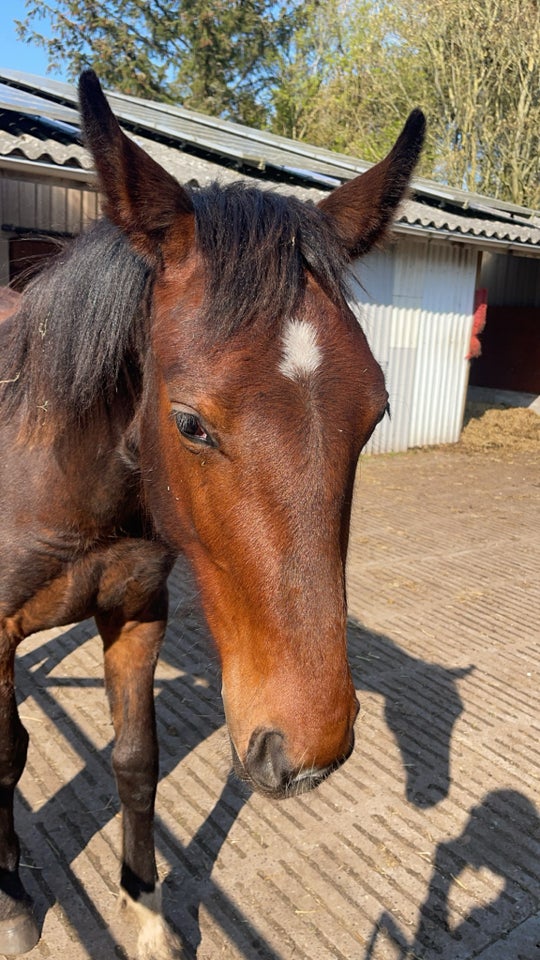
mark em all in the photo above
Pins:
pixel 122 576
pixel 73 540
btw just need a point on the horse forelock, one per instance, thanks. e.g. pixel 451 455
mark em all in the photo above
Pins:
pixel 259 247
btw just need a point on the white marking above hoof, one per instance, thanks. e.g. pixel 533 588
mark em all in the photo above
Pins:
pixel 301 353
pixel 157 940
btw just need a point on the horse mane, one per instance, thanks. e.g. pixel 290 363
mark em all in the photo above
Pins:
pixel 81 333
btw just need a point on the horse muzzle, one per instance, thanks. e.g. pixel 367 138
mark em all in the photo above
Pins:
pixel 268 771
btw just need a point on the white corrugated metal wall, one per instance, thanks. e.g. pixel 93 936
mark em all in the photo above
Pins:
pixel 415 303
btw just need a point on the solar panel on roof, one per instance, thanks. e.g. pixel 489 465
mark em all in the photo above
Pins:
pixel 15 99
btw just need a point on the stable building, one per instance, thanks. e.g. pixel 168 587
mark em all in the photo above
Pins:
pixel 455 260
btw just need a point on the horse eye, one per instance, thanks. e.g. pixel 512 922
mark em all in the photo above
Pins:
pixel 191 427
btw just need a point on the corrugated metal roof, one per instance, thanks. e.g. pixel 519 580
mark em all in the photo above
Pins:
pixel 43 150
pixel 191 146
pixel 53 157
pixel 259 149
pixel 515 232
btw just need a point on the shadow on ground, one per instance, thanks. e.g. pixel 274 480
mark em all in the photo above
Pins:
pixel 499 836
pixel 422 705
pixel 189 710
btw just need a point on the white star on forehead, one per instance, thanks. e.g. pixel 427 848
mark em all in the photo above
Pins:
pixel 301 352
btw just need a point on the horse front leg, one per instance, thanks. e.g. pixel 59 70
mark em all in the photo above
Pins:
pixel 18 929
pixel 131 648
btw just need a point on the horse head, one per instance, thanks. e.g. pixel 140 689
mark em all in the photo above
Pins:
pixel 260 391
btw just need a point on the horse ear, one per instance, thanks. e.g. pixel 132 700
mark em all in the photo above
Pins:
pixel 362 210
pixel 141 198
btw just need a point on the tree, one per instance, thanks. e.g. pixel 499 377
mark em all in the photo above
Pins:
pixel 474 67
pixel 339 73
pixel 334 89
pixel 482 74
pixel 303 66
pixel 211 55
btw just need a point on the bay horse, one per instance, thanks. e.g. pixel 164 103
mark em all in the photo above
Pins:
pixel 187 377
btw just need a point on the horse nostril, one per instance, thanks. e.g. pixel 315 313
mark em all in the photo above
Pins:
pixel 266 762
pixel 268 770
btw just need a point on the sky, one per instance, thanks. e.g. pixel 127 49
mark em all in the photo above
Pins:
pixel 16 55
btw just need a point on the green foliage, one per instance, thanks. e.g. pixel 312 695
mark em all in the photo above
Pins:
pixel 474 68
pixel 482 80
pixel 212 55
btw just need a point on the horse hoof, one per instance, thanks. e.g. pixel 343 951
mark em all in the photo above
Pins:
pixel 18 934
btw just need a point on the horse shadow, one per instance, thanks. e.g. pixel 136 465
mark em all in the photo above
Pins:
pixel 421 700
pixel 188 708
pixel 501 836
pixel 421 706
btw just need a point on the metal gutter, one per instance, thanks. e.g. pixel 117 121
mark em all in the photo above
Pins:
pixel 28 168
